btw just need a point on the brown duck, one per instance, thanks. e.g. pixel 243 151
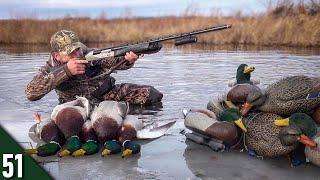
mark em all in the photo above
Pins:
pixel 285 97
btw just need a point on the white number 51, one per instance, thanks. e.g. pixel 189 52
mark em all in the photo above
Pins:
pixel 9 173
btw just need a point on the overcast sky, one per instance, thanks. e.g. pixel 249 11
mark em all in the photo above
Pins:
pixel 116 8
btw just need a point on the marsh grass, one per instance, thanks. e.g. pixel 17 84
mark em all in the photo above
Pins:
pixel 283 24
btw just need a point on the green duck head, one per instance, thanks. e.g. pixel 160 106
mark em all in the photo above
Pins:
pixel 302 120
pixel 304 123
pixel 232 115
pixel 244 74
pixel 48 149
pixel 88 148
pixel 72 144
pixel 291 135
pixel 254 99
pixel 111 147
pixel 129 148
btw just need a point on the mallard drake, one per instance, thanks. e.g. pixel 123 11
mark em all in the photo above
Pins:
pixel 111 147
pixel 89 139
pixel 302 121
pixel 239 92
pixel 205 122
pixel 299 127
pixel 244 76
pixel 107 118
pixel 285 97
pixel 46 132
pixel 134 128
pixel 70 117
pixel 129 148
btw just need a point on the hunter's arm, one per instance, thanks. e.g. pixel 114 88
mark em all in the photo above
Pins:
pixel 47 79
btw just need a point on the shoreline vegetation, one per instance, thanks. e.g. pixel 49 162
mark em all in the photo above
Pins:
pixel 283 24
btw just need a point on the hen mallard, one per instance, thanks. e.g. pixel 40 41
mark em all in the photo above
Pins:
pixel 239 92
pixel 285 97
pixel 70 117
pixel 206 122
pixel 89 139
pixel 48 132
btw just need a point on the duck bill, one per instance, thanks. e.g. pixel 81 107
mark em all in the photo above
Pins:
pixel 64 153
pixel 241 125
pixel 307 141
pixel 31 151
pixel 248 69
pixel 126 153
pixel 105 152
pixel 246 108
pixel 79 153
pixel 282 122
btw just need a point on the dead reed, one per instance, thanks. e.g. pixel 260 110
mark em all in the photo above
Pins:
pixel 279 26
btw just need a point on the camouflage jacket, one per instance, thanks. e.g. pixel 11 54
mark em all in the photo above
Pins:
pixel 55 75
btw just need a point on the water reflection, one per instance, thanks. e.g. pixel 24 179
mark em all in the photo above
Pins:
pixel 206 164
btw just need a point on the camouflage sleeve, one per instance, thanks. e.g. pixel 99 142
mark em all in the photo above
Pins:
pixel 47 79
pixel 107 63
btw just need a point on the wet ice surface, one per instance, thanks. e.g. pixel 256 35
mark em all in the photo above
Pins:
pixel 187 79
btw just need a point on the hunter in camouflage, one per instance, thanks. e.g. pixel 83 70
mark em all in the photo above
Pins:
pixel 71 77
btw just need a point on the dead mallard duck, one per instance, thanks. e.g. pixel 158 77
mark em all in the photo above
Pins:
pixel 70 117
pixel 46 133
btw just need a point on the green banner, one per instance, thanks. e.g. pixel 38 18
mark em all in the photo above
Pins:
pixel 14 164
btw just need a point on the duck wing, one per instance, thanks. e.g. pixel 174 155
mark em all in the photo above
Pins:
pixel 34 133
pixel 315 93
pixel 154 130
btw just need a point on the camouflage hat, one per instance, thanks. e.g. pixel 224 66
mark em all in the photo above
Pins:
pixel 65 41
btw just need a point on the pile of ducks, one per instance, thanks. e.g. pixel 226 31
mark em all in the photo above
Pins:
pixel 74 130
pixel 279 120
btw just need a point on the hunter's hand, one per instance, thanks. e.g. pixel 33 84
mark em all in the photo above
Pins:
pixel 76 66
pixel 132 57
